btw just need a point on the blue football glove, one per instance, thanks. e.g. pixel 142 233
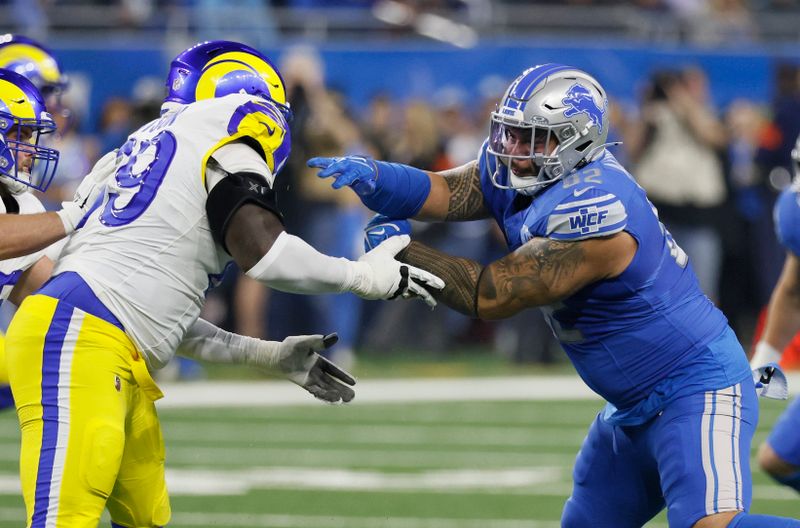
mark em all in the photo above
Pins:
pixel 382 227
pixel 357 172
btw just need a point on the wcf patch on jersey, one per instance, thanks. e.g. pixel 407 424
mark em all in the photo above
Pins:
pixel 587 219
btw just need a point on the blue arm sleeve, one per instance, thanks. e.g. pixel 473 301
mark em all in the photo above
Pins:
pixel 400 190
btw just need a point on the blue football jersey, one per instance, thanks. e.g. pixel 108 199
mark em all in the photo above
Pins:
pixel 645 337
pixel 787 218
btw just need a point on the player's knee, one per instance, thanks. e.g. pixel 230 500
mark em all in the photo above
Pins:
pixel 717 520
pixel 147 515
pixel 103 446
pixel 772 463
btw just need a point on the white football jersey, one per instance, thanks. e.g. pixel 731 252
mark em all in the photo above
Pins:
pixel 147 251
pixel 12 269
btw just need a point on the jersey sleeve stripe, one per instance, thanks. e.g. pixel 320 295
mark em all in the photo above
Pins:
pixel 595 200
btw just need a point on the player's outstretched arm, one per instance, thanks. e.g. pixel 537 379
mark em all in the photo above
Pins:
pixel 401 191
pixel 296 358
pixel 245 221
pixel 25 234
pixel 455 195
pixel 783 315
pixel 539 273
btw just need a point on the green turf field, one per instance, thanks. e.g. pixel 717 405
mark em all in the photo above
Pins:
pixel 411 465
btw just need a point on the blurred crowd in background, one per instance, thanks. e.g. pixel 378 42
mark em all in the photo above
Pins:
pixel 713 173
pixel 460 22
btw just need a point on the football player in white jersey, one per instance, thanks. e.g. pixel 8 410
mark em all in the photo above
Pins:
pixel 27 229
pixel 192 193
pixel 28 232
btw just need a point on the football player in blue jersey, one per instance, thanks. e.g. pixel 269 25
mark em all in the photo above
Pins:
pixel 779 455
pixel 587 247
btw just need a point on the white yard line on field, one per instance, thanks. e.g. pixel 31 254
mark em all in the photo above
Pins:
pixel 531 481
pixel 278 392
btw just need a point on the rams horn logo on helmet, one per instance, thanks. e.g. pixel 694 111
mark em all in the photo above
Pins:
pixel 580 100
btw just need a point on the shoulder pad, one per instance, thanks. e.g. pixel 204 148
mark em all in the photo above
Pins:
pixel 262 122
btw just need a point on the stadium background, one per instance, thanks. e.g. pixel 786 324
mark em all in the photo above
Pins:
pixel 457 423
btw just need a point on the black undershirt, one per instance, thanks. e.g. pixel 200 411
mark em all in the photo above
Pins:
pixel 9 201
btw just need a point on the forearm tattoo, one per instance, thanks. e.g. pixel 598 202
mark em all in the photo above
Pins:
pixel 460 276
pixel 466 197
pixel 538 273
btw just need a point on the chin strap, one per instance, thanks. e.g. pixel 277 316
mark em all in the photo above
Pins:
pixel 598 148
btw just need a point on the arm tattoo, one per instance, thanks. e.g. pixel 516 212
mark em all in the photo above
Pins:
pixel 540 272
pixel 460 276
pixel 466 197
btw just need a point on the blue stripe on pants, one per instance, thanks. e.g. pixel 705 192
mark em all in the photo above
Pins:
pixel 53 343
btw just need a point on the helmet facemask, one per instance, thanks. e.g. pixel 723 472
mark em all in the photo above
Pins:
pixel 565 112
pixel 22 137
pixel 513 142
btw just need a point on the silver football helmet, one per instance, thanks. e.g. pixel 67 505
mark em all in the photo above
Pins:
pixel 552 115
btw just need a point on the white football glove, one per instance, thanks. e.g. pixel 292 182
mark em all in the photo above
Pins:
pixel 88 191
pixel 379 276
pixel 769 379
pixel 296 357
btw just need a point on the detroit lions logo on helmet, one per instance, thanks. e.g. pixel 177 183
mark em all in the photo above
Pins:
pixel 580 101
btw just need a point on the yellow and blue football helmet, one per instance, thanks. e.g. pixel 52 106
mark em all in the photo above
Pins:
pixel 24 119
pixel 219 67
pixel 33 61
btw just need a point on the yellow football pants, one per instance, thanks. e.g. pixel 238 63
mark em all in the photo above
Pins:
pixel 3 369
pixel 91 438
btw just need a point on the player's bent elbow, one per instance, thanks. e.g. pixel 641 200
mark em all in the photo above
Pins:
pixel 496 309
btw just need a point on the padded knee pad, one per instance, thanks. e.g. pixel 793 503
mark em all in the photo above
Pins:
pixel 103 445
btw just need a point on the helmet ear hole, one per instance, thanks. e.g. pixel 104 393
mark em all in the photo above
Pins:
pixel 583 146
